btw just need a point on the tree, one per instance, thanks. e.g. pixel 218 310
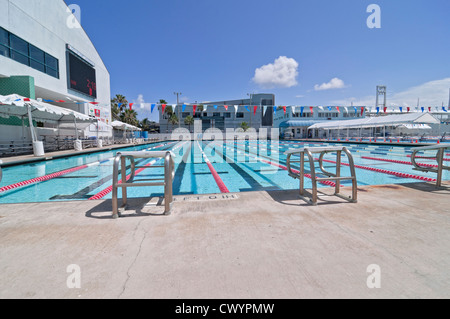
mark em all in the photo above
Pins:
pixel 120 99
pixel 145 125
pixel 244 126
pixel 189 120
pixel 129 117
pixel 173 120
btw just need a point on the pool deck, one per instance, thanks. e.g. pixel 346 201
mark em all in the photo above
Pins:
pixel 258 245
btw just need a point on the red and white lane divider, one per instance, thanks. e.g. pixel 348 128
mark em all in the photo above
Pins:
pixel 378 170
pixel 223 188
pixel 109 189
pixel 397 162
pixel 42 178
pixel 430 157
pixel 54 175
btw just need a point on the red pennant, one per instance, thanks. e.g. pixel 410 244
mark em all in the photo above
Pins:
pixel 362 111
pixel 60 101
pixel 131 106
pixel 26 99
pixel 429 109
pixel 311 109
pixel 254 110
pixel 284 109
pixel 195 109
pixel 226 107
pixel 94 103
pixel 163 108
pixel 408 109
pixel 337 108
pixel 385 109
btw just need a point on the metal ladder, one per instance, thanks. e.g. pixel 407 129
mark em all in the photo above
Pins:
pixel 330 176
pixel 167 181
pixel 439 159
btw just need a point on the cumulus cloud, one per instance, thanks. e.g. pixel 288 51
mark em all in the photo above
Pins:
pixel 432 93
pixel 335 83
pixel 282 73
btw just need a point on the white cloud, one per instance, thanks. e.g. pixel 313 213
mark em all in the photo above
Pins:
pixel 431 93
pixel 299 96
pixel 282 73
pixel 335 83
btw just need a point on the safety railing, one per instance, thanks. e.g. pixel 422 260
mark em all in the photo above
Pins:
pixel 329 176
pixel 120 161
pixel 440 151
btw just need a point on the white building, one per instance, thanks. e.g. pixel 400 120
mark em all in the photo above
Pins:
pixel 294 121
pixel 46 54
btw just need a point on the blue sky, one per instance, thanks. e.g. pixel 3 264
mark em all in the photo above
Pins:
pixel 210 50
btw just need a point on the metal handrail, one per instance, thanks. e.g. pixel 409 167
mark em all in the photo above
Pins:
pixel 330 176
pixel 120 162
pixel 439 159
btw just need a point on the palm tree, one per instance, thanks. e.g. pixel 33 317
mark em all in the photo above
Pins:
pixel 145 125
pixel 129 117
pixel 189 120
pixel 173 120
pixel 244 126
pixel 119 99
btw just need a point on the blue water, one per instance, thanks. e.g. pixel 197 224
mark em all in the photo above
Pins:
pixel 241 165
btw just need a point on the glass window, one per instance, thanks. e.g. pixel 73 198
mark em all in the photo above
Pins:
pixel 4 51
pixel 227 115
pixel 38 66
pixel 37 54
pixel 19 57
pixel 186 114
pixel 216 114
pixel 239 115
pixel 4 39
pixel 19 45
pixel 51 62
pixel 52 72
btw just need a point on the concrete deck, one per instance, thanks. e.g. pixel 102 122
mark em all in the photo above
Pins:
pixel 260 245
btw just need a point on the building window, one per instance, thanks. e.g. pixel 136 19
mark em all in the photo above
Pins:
pixel 227 115
pixel 23 52
pixel 239 115
pixel 185 114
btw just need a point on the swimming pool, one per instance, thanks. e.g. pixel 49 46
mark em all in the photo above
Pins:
pixel 202 167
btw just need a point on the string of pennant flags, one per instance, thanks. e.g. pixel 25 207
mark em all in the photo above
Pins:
pixel 251 109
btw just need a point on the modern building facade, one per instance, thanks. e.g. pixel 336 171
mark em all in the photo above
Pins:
pixel 223 114
pixel 45 54
pixel 297 119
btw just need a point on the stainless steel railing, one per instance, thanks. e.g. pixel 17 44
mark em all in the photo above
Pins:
pixel 120 162
pixel 330 176
pixel 440 150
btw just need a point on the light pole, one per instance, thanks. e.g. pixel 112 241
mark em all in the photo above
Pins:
pixel 178 109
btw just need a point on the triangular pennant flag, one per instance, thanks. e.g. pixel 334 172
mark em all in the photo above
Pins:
pixel 321 108
pixel 153 107
pixel 346 109
pixel 423 109
pixel 293 109
pixel 274 110
pixel 264 110
pixel 443 108
pixel 385 109
pixel 236 108
pixel 362 111
pixel 337 108
pixel 246 107
pixel 163 108
pixel 284 109
pixel 378 110
pixel 184 107
pixel 356 110
pixel 255 108
pixel 195 108
pixel 174 108
pixel 226 107
pixel 131 106
pixel 401 109
pixel 329 108
pixel 215 106
pixel 301 110
pixel 408 109
pixel 429 109
pixel 311 109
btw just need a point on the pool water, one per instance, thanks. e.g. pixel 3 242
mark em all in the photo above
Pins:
pixel 238 166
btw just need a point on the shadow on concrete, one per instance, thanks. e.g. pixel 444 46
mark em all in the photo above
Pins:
pixel 293 198
pixel 136 207
pixel 429 187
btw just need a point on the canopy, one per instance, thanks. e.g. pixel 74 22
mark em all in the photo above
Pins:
pixel 124 126
pixel 14 105
pixel 380 121
pixel 299 123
